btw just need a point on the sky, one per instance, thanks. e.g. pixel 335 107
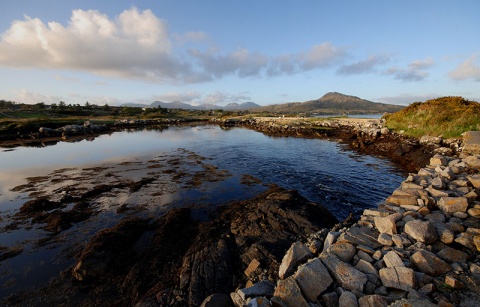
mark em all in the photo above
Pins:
pixel 219 52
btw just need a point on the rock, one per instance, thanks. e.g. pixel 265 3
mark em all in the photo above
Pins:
pixel 444 234
pixel 437 193
pixel 401 241
pixel 466 240
pixel 473 162
pixel 295 255
pixel 347 299
pixel 428 263
pixel 254 264
pixel 398 277
pixel 330 299
pixel 421 231
pixel 373 300
pixel 347 276
pixel 400 200
pixel 217 300
pixel 474 180
pixel 437 160
pixel 262 288
pixel 453 204
pixel 415 302
pixel 344 251
pixel 453 282
pixel 290 293
pixel 366 267
pixel 474 212
pixel 330 239
pixel 313 279
pixel 476 241
pixel 385 239
pixel 392 259
pixel 387 224
pixel 437 183
pixel 39 204
pixel 359 235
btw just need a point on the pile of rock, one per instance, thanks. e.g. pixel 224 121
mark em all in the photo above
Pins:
pixel 419 248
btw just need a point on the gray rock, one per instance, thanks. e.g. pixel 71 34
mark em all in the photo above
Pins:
pixel 444 234
pixel 344 250
pixel 347 299
pixel 437 183
pixel 388 224
pixel 296 254
pixel 366 267
pixel 412 303
pixel 421 231
pixel 347 276
pixel 289 292
pixel 436 160
pixel 262 288
pixel 373 300
pixel 313 279
pixel 359 235
pixel 398 277
pixel 330 239
pixel 428 263
pixel 473 162
pixel 391 260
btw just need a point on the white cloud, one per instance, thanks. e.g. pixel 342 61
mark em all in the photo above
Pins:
pixel 25 96
pixel 406 99
pixel 416 70
pixel 467 70
pixel 224 98
pixel 320 56
pixel 133 45
pixel 365 66
pixel 190 37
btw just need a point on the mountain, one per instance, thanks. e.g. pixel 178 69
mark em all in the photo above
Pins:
pixel 134 105
pixel 332 103
pixel 181 105
pixel 241 106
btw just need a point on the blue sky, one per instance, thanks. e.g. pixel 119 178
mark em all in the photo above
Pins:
pixel 236 51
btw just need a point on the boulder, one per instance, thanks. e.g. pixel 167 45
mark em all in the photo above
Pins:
pixel 360 235
pixel 262 288
pixel 344 250
pixel 347 299
pixel 453 204
pixel 451 255
pixel 290 293
pixel 428 263
pixel 473 162
pixel 392 259
pixel 296 254
pixel 437 160
pixel 398 278
pixel 217 300
pixel 402 200
pixel 373 300
pixel 421 231
pixel 259 302
pixel 347 276
pixel 313 278
pixel 474 180
pixel 387 224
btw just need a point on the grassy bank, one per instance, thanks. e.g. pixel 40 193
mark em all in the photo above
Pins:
pixel 448 117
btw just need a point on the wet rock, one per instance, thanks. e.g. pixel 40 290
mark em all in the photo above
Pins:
pixel 398 277
pixel 40 204
pixel 296 254
pixel 289 292
pixel 346 275
pixel 428 263
pixel 421 231
pixel 313 279
pixel 106 247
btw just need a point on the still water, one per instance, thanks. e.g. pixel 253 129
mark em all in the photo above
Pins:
pixel 322 171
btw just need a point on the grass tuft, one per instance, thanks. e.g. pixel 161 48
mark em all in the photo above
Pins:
pixel 448 117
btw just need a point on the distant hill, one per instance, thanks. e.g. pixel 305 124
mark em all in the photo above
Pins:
pixel 332 103
pixel 181 105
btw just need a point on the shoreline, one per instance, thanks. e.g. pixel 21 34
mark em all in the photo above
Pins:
pixel 175 289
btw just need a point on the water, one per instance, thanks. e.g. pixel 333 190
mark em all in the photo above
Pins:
pixel 322 171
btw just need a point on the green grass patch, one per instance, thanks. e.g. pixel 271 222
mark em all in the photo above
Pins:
pixel 448 117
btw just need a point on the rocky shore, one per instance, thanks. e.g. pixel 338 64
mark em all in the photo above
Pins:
pixel 419 248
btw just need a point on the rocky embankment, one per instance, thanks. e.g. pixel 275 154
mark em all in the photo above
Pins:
pixel 419 248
